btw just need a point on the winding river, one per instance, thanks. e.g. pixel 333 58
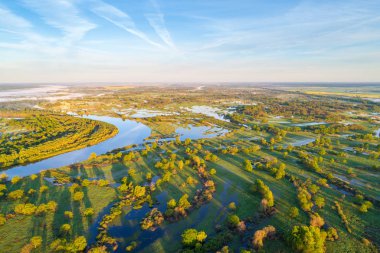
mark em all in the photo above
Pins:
pixel 130 132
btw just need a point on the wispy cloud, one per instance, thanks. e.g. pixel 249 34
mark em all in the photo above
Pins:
pixel 63 15
pixel 10 22
pixel 306 27
pixel 121 20
pixel 157 21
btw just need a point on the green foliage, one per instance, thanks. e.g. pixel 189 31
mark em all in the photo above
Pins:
pixel 78 196
pixel 190 237
pixel 183 202
pixel 49 135
pixel 248 165
pixel 304 198
pixel 233 220
pixel 36 241
pixel 265 191
pixel 307 239
pixel 17 194
pixel 293 212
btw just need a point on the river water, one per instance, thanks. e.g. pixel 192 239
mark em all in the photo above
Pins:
pixel 130 132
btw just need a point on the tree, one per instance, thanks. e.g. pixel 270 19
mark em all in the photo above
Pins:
pixel 69 214
pixel 92 156
pixel 365 206
pixel 304 198
pixel 139 191
pixel 307 239
pixel 15 179
pixel 183 202
pixel 132 172
pixel 248 165
pixel 180 164
pixel 171 204
pixel 265 191
pixel 65 228
pixel 319 201
pixel 201 236
pixel 293 212
pixel 36 241
pixel 212 172
pixel 316 220
pixel 260 235
pixel 3 189
pixel 313 188
pixel 233 220
pixel 88 212
pixel 280 173
pixel 2 219
pixel 17 194
pixel 25 209
pixel 78 196
pixel 43 188
pixel 80 243
pixel 191 237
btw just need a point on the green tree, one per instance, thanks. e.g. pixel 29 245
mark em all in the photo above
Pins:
pixel 293 212
pixel 78 196
pixel 307 239
pixel 248 165
pixel 36 241
pixel 183 202
pixel 233 220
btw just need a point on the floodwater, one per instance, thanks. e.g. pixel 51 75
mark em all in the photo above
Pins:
pixel 130 132
pixel 209 111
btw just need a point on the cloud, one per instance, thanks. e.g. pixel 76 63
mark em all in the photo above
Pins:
pixel 121 20
pixel 157 21
pixel 10 22
pixel 63 15
pixel 306 27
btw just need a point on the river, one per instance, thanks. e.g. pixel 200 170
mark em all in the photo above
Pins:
pixel 130 132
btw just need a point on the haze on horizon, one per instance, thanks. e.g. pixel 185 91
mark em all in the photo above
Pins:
pixel 189 41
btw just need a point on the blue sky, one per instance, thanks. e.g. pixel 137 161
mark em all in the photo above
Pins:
pixel 189 40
